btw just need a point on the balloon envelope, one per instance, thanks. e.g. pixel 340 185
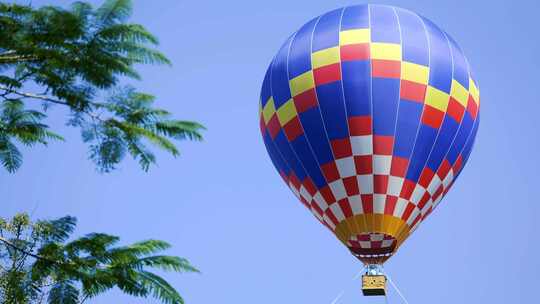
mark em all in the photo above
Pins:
pixel 369 113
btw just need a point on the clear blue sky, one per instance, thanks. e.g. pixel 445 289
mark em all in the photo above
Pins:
pixel 223 206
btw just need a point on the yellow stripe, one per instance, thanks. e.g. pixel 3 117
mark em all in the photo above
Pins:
pixel 286 112
pixel 459 93
pixel 325 57
pixel 475 93
pixel 436 98
pixel 302 83
pixel 269 110
pixel 414 72
pixel 354 36
pixel 387 51
pixel 372 223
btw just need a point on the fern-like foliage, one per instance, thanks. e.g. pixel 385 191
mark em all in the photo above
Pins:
pixel 76 56
pixel 40 262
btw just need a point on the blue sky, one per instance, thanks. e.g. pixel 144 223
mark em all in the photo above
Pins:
pixel 223 206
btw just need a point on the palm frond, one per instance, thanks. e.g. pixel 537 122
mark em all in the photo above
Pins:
pixel 63 292
pixel 113 11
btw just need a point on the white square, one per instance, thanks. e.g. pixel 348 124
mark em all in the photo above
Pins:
pixel 356 204
pixel 417 194
pixel 305 194
pixel 362 145
pixel 338 189
pixel 376 237
pixel 426 207
pixel 365 244
pixel 448 179
pixel 381 164
pixel 346 167
pixel 365 183
pixel 434 184
pixel 317 215
pixel 412 217
pixel 379 201
pixel 321 202
pixel 395 184
pixel 401 205
pixel 386 243
pixel 338 213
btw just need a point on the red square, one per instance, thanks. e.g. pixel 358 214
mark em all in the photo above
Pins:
pixel 310 186
pixel 262 125
pixel 472 108
pixel 330 171
pixel 455 110
pixel 345 207
pixel 423 201
pixel 444 169
pixel 426 177
pixel 360 125
pixel 294 181
pixel 438 192
pixel 418 217
pixel 385 68
pixel 354 52
pixel 293 129
pixel 383 145
pixel 315 206
pixel 412 91
pixel 273 126
pixel 390 204
pixel 376 244
pixel 380 184
pixel 407 189
pixel 327 74
pixel 305 101
pixel 331 216
pixel 399 166
pixel 351 185
pixel 408 211
pixel 327 195
pixel 432 117
pixel 364 237
pixel 364 164
pixel 367 203
pixel 341 147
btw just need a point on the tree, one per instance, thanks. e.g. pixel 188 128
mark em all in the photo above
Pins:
pixel 77 58
pixel 38 264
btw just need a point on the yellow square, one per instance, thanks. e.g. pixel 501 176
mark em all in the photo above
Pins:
pixel 269 110
pixel 414 72
pixel 325 57
pixel 302 83
pixel 473 89
pixel 459 93
pixel 437 98
pixel 286 112
pixel 386 51
pixel 354 36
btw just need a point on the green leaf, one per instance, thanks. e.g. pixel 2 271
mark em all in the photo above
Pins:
pixel 10 156
pixel 63 292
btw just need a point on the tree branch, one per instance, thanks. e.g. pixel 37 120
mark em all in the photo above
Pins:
pixel 35 256
pixel 31 95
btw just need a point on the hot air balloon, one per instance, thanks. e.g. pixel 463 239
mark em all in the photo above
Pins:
pixel 369 114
